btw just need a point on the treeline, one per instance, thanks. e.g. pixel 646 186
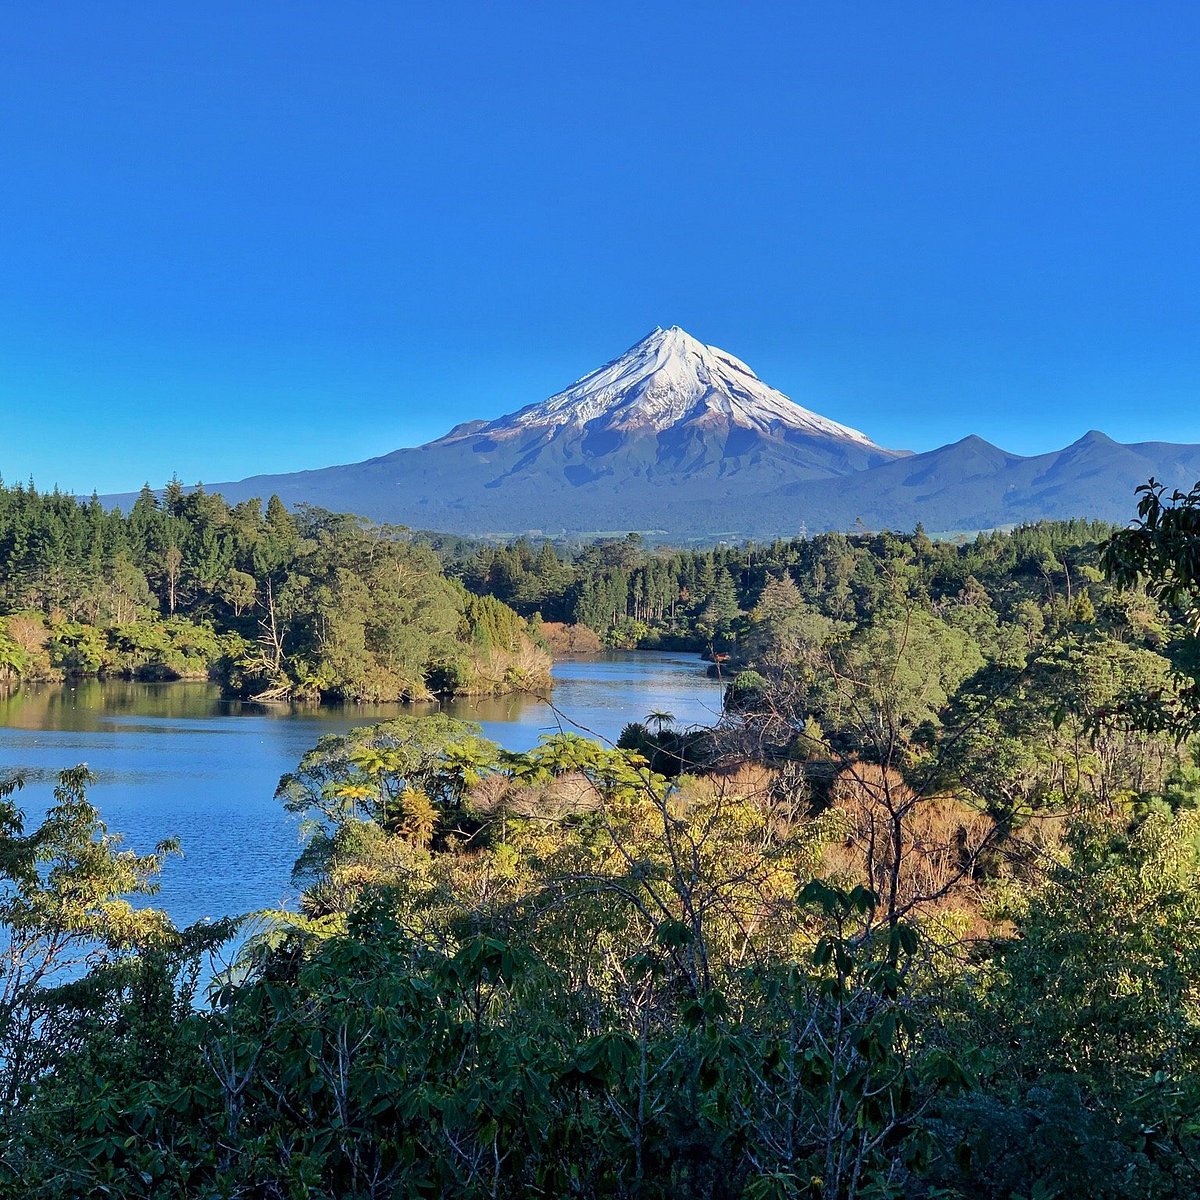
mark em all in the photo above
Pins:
pixel 918 918
pixel 635 595
pixel 276 604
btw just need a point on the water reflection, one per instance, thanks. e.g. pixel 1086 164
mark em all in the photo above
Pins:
pixel 177 759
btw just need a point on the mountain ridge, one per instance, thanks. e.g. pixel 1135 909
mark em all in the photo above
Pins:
pixel 683 438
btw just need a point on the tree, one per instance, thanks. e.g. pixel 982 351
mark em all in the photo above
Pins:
pixel 720 609
pixel 173 497
pixel 126 593
pixel 893 675
pixel 240 591
pixel 782 629
pixel 62 905
pixel 411 775
pixel 1085 1029
pixel 13 658
pixel 1161 551
pixel 172 562
pixel 1034 740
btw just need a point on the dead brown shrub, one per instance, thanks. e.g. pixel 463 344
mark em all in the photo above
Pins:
pixel 570 639
pixel 911 850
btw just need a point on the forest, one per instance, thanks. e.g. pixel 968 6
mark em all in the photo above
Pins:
pixel 276 605
pixel 636 595
pixel 917 918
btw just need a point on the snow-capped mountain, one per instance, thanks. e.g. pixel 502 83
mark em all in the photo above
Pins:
pixel 680 438
pixel 669 431
pixel 666 380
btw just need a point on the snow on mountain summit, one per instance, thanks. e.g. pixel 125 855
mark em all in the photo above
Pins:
pixel 668 379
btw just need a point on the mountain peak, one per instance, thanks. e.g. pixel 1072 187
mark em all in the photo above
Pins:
pixel 1094 437
pixel 669 379
pixel 674 335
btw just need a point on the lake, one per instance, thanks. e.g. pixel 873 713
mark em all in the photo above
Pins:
pixel 176 760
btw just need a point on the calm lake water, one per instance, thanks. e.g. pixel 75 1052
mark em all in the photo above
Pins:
pixel 175 759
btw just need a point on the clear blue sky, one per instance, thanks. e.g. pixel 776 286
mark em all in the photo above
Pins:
pixel 250 237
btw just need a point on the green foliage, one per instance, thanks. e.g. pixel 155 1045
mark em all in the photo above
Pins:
pixel 917 919
pixel 1087 1036
pixel 1160 547
pixel 901 670
pixel 1032 740
pixel 361 792
pixel 1161 550
pixel 694 598
pixel 63 908
pixel 312 605
pixel 577 1027
pixel 626 634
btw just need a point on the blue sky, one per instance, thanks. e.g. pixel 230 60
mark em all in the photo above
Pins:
pixel 240 238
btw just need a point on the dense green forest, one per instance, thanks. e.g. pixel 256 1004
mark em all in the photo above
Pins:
pixel 637 595
pixel 918 918
pixel 277 605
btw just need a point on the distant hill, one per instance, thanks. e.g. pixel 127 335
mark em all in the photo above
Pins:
pixel 972 484
pixel 683 439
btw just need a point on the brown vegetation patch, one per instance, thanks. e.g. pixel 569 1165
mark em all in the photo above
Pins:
pixel 570 639
pixel 912 850
pixel 567 795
